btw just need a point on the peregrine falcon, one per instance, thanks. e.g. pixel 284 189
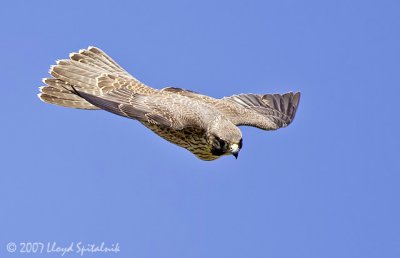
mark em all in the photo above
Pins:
pixel 206 126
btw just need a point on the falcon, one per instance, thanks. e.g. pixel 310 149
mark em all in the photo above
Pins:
pixel 206 126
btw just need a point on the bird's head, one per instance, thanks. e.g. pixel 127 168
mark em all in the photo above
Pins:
pixel 225 138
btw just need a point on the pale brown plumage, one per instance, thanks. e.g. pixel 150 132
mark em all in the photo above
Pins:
pixel 204 125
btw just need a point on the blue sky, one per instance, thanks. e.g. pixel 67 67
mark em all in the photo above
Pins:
pixel 325 187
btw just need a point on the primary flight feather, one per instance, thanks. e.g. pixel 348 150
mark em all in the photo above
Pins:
pixel 204 125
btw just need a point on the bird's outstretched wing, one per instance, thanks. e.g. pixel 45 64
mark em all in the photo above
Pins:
pixel 170 110
pixel 268 112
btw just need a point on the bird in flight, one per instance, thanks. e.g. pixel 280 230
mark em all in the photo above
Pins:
pixel 206 126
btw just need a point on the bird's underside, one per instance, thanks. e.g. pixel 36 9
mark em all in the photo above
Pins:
pixel 204 125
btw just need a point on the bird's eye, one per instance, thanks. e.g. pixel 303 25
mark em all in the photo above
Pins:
pixel 219 142
pixel 219 147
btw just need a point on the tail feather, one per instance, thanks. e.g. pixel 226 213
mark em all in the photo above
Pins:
pixel 79 65
pixel 79 77
pixel 57 92
pixel 63 86
pixel 100 60
pixel 62 97
pixel 83 71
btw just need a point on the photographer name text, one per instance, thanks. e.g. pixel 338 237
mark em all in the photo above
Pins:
pixel 79 248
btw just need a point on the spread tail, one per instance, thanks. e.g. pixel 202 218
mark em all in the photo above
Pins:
pixel 81 71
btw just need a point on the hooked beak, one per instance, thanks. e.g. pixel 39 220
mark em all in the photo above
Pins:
pixel 235 150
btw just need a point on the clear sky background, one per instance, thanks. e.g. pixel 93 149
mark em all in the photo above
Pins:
pixel 327 186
